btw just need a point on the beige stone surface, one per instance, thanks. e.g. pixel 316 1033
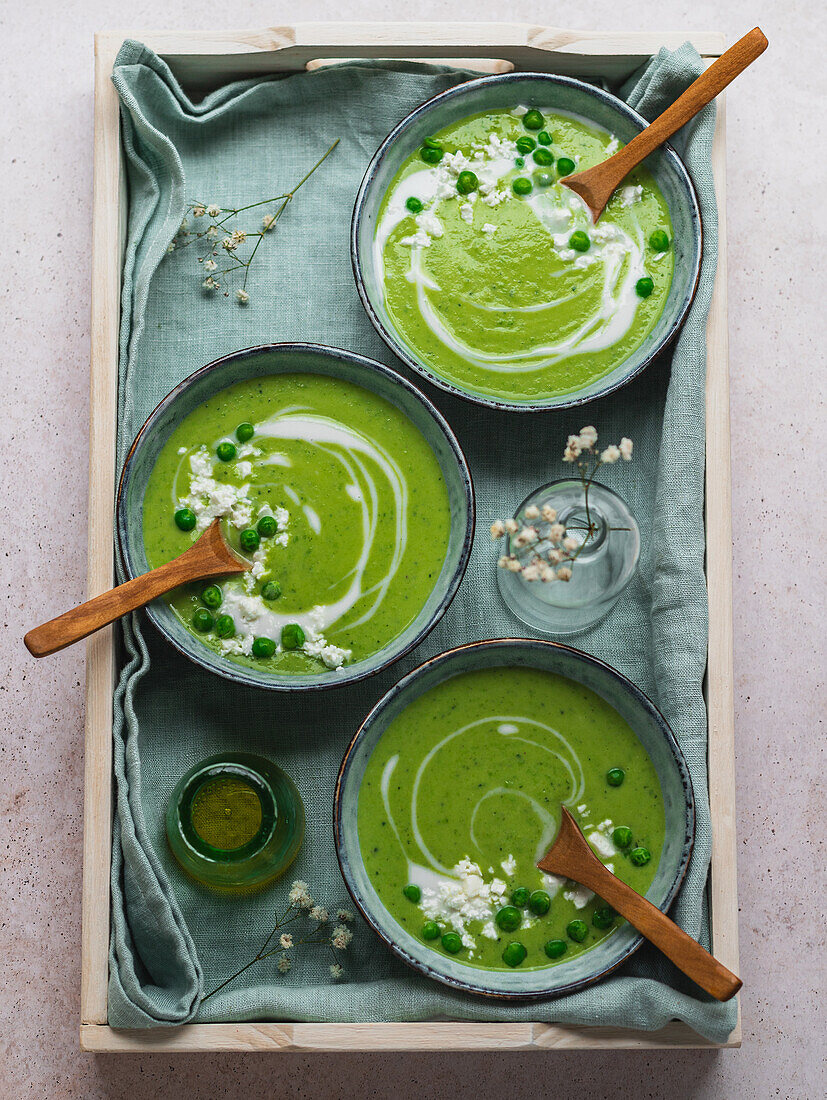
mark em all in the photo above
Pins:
pixel 777 330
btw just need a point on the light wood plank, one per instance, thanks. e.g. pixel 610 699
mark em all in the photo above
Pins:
pixel 720 675
pixel 445 1035
pixel 107 242
pixel 205 59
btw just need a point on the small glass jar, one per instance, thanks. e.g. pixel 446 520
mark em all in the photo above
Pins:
pixel 607 554
pixel 235 821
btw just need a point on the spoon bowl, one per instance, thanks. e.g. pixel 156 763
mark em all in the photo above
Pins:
pixel 571 857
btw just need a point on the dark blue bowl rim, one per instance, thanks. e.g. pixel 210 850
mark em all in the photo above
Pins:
pixel 400 687
pixel 238 673
pixel 398 348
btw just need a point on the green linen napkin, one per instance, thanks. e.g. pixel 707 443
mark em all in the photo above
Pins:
pixel 172 941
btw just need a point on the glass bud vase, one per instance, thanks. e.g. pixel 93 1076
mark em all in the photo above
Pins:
pixel 607 551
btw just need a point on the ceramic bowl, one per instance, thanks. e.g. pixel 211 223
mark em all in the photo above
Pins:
pixel 632 705
pixel 492 93
pixel 279 359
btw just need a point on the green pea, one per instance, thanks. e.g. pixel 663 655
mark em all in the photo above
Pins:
pixel 451 943
pixel 577 930
pixel 543 179
pixel 622 836
pixel 185 519
pixel 555 948
pixel 212 596
pixel 615 776
pixel 640 856
pixel 226 451
pixel 225 626
pixel 249 539
pixel 432 143
pixel 565 166
pixel 263 647
pixel 271 590
pixel 202 620
pixel 522 186
pixel 431 155
pixel 543 157
pixel 533 120
pixel 580 241
pixel 509 918
pixel 244 432
pixel 644 286
pixel 659 241
pixel 520 897
pixel 292 636
pixel 525 144
pixel 467 182
pixel 413 204
pixel 544 137
pixel 267 527
pixel 603 917
pixel 514 954
pixel 539 903
pixel 412 892
pixel 430 930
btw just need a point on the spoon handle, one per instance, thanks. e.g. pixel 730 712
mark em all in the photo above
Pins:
pixel 702 91
pixel 208 557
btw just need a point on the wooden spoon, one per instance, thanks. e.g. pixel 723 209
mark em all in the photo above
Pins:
pixel 209 556
pixel 571 857
pixel 597 185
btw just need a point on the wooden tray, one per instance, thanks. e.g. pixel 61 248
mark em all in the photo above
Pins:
pixel 202 61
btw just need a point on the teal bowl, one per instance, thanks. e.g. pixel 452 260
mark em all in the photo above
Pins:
pixel 566 94
pixel 271 359
pixel 654 734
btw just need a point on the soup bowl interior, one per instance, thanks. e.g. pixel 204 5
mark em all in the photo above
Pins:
pixel 289 359
pixel 503 93
pixel 655 736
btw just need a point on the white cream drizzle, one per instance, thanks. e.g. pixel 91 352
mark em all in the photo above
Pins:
pixel 614 253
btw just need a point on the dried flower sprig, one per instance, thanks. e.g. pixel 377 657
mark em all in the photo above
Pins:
pixel 545 548
pixel 220 243
pixel 301 906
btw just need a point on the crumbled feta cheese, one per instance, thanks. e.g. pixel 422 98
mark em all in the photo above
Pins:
pixel 601 844
pixel 580 895
pixel 463 898
pixel 509 865
pixel 630 194
pixel 489 228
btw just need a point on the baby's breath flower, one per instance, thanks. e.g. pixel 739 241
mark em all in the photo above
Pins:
pixel 284 964
pixel 611 454
pixel 212 232
pixel 569 543
pixel 513 565
pixel 300 895
pixel 546 572
pixel 497 529
pixel 229 244
pixel 573 449
pixel 242 296
pixel 199 211
pixel 336 972
pixel 319 913
pixel 525 537
pixel 555 557
pixel 556 532
pixel 512 526
pixel 286 940
pixel 184 226
pixel 210 283
pixel 588 437
pixel 531 572
pixel 344 915
pixel 564 573
pixel 171 246
pixel 341 937
pixel 213 210
pixel 549 514
pixel 239 236
pixel 532 512
pixel 626 449
pixel 210 264
pixel 267 222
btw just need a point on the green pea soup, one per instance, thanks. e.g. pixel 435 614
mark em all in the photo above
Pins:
pixel 462 796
